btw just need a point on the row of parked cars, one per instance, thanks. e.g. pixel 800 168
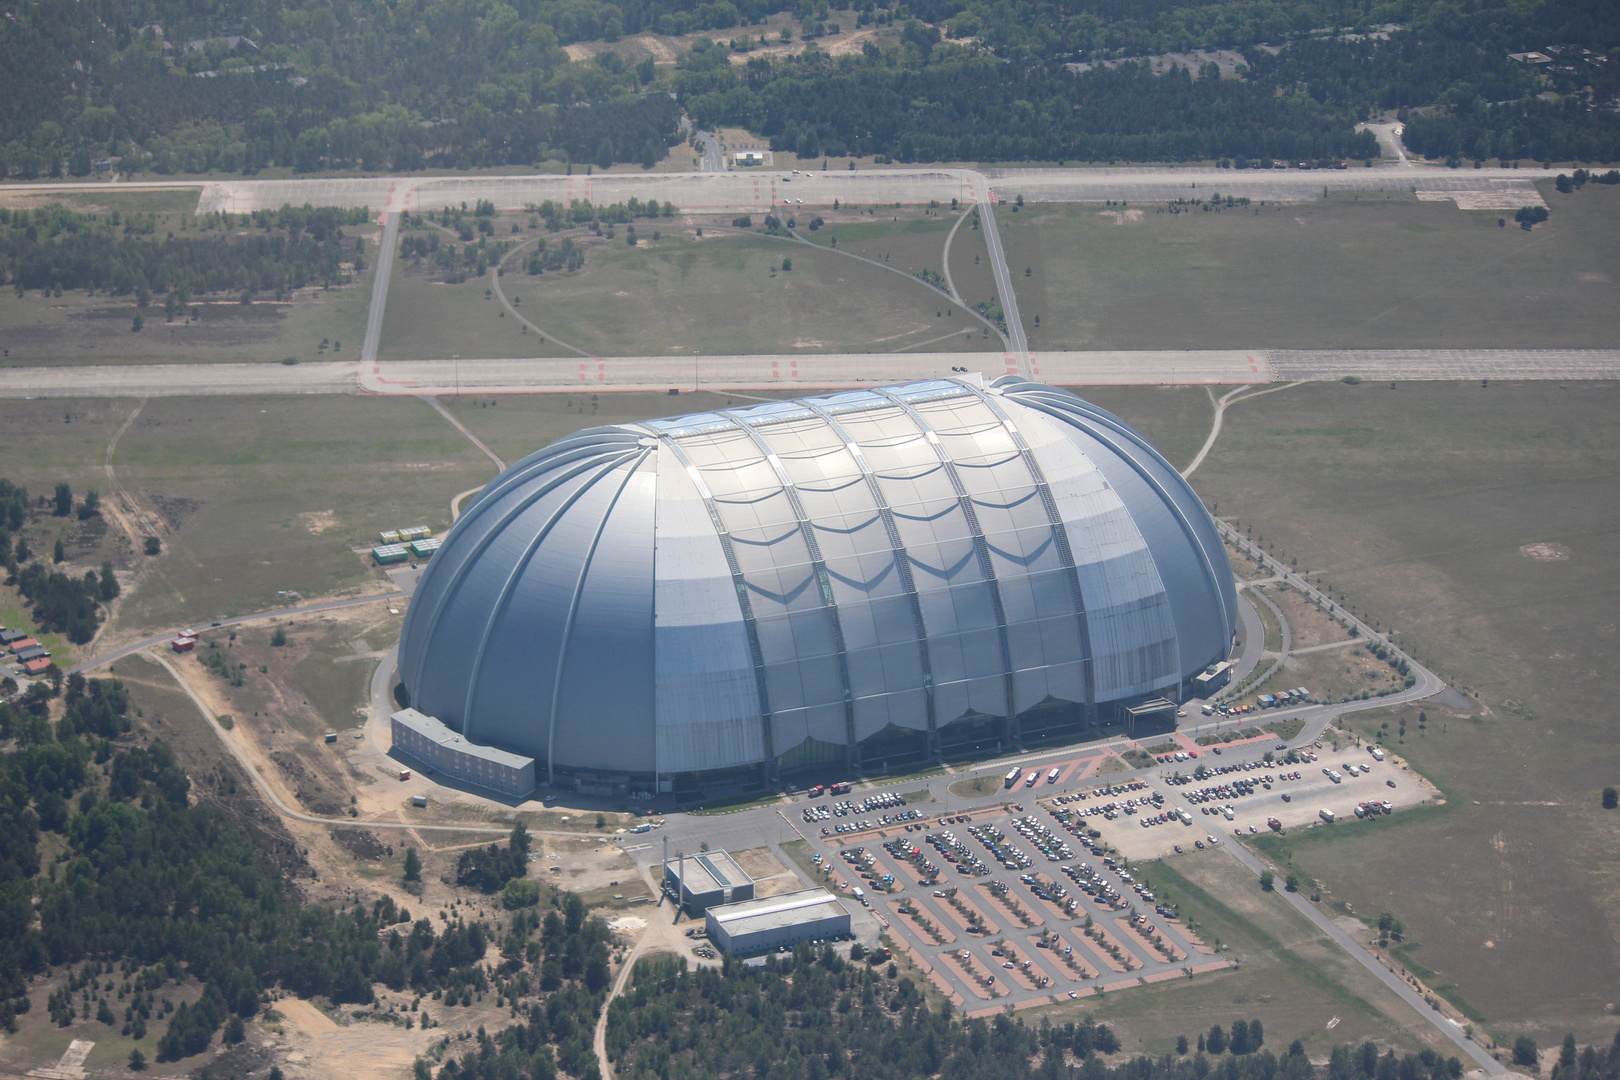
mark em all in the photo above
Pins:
pixel 1010 856
pixel 902 818
pixel 880 801
pixel 955 851
pixel 1054 847
pixel 1109 792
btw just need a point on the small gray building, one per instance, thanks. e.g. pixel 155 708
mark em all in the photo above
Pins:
pixel 442 750
pixel 757 926
pixel 1212 679
pixel 706 880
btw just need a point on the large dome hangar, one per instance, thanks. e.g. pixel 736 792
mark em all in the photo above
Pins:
pixel 848 582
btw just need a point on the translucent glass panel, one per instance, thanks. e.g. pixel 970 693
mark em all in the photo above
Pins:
pixel 796 630
pixel 876 619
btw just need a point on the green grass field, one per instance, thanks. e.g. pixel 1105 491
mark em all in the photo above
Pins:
pixel 428 319
pixel 180 199
pixel 1175 419
pixel 269 494
pixel 914 240
pixel 1483 524
pixel 724 292
pixel 1374 272
pixel 1290 977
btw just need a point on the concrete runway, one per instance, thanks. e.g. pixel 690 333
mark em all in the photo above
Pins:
pixel 758 190
pixel 806 373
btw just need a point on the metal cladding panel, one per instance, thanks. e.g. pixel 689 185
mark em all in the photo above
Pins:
pixel 509 701
pixel 707 702
pixel 605 703
pixel 806 570
pixel 1187 551
pixel 1128 616
pixel 482 563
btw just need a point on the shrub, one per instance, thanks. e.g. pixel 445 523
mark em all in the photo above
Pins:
pixel 520 893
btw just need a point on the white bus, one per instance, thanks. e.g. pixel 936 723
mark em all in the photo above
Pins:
pixel 1012 777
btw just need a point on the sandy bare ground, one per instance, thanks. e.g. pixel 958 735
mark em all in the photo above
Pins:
pixel 314 1046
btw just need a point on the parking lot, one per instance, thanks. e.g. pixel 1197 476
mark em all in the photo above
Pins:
pixel 1253 796
pixel 1033 899
pixel 996 905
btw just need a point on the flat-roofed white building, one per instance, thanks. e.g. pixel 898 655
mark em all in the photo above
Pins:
pixel 758 926
pixel 705 880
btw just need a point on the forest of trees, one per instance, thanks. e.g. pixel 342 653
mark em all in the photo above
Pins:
pixel 324 84
pixel 242 85
pixel 958 106
pixel 54 248
pixel 815 1016
pixel 60 603
pixel 933 99
pixel 152 890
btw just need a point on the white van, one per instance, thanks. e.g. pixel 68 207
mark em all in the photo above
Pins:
pixel 1377 752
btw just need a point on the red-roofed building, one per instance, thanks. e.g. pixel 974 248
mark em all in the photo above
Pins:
pixel 38 666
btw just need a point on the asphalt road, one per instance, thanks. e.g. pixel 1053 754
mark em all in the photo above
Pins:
pixel 806 372
pixel 1018 343
pixel 713 160
pixel 379 288
pixel 721 191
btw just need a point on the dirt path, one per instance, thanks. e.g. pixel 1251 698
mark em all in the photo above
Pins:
pixel 1229 398
pixel 260 770
pixel 135 520
pixel 459 426
pixel 945 259
pixel 599 1040
pixel 500 294
pixel 455 503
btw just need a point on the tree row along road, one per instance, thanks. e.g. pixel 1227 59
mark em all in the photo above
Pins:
pixel 1344 941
